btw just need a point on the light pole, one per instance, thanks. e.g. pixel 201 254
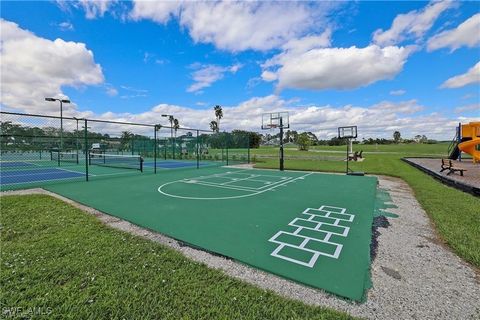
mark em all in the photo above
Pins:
pixel 171 118
pixel 62 101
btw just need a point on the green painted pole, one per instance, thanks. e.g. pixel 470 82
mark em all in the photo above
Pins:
pixel 86 149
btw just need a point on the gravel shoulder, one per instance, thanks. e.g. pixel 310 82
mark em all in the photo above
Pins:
pixel 414 275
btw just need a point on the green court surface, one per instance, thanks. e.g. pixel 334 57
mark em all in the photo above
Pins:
pixel 308 227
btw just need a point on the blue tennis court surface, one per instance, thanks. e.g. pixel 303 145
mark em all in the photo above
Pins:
pixel 15 164
pixel 29 173
pixel 36 175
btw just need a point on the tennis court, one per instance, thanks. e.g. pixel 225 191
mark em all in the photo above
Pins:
pixel 308 227
pixel 15 174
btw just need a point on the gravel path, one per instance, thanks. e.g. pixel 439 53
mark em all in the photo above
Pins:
pixel 414 276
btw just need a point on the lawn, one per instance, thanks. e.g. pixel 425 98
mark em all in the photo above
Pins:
pixel 63 263
pixel 455 214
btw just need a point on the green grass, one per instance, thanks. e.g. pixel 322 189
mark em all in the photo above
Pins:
pixel 427 149
pixel 455 214
pixel 57 258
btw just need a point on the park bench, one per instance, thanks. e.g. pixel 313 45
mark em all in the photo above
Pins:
pixel 353 156
pixel 356 155
pixel 447 164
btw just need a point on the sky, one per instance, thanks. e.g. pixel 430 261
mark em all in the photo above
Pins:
pixel 383 66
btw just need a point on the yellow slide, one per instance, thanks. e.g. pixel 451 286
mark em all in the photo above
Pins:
pixel 471 130
pixel 469 147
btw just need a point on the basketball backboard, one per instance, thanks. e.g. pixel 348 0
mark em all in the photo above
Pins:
pixel 274 120
pixel 348 132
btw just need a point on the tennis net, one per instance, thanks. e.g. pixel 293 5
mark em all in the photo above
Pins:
pixel 64 156
pixel 116 161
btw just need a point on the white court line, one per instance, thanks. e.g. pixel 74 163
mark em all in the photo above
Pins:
pixel 112 174
pixel 260 175
pixel 42 173
pixel 271 184
pixel 267 184
pixel 231 197
pixel 224 187
pixel 60 168
pixel 39 181
pixel 236 180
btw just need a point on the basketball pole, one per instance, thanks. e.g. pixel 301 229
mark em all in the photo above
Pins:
pixel 348 155
pixel 281 144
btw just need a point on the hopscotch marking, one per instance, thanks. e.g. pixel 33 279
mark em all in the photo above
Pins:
pixel 329 217
pixel 264 181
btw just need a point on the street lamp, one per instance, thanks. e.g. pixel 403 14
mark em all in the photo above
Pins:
pixel 171 118
pixel 62 101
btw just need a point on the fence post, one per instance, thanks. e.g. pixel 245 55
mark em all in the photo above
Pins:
pixel 226 147
pixel 198 154
pixel 155 149
pixel 248 150
pixel 86 149
pixel 165 145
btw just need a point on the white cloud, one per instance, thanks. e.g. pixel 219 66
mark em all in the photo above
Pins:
pixel 134 89
pixel 378 120
pixel 111 91
pixel 34 68
pixel 269 76
pixel 466 34
pixel 335 68
pixel 205 75
pixel 238 25
pixel 470 77
pixel 413 24
pixel 469 96
pixel 468 108
pixel 133 92
pixel 95 8
pixel 399 92
pixel 158 11
pixel 66 26
pixel 307 43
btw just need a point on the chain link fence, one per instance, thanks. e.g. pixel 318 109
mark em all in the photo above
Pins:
pixel 38 150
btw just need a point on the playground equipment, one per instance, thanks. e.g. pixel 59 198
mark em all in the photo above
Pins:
pixel 466 140
pixel 278 120
pixel 349 133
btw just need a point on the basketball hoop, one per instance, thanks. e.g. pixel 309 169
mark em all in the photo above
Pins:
pixel 276 120
pixel 349 133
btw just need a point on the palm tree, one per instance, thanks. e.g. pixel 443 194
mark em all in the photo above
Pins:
pixel 218 115
pixel 125 139
pixel 214 126
pixel 176 126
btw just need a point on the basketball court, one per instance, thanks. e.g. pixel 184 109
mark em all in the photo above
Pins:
pixel 308 227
